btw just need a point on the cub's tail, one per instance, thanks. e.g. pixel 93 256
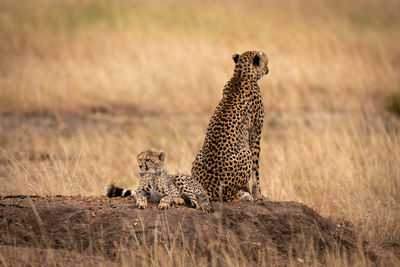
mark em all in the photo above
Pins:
pixel 115 191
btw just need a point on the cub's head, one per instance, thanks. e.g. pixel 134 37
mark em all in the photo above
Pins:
pixel 251 65
pixel 151 161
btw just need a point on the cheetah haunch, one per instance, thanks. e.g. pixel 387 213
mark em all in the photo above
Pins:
pixel 229 158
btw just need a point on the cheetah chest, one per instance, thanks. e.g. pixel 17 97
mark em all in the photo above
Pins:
pixel 154 193
pixel 154 189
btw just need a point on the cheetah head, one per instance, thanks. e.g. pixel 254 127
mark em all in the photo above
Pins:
pixel 151 161
pixel 251 65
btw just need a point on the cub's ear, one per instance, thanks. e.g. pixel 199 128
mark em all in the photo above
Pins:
pixel 235 58
pixel 256 60
pixel 161 155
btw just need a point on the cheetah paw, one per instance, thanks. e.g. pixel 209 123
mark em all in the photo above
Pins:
pixel 243 196
pixel 179 201
pixel 142 204
pixel 259 197
pixel 207 208
pixel 163 206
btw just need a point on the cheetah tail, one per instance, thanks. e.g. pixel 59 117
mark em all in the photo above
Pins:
pixel 114 191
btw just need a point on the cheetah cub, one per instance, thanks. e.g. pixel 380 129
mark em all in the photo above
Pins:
pixel 156 185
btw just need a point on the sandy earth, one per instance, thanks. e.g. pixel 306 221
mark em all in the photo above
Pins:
pixel 98 226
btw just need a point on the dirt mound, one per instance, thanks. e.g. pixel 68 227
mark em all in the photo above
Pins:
pixel 101 226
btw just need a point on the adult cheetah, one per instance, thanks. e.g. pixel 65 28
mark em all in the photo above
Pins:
pixel 229 158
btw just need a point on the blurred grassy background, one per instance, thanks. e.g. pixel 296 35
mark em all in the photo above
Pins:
pixel 330 55
pixel 85 85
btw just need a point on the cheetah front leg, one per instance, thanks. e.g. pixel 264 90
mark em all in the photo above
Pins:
pixel 255 138
pixel 255 177
pixel 141 199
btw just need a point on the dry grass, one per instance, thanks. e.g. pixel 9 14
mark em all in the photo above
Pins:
pixel 155 71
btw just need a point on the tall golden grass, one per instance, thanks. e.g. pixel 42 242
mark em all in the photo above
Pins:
pixel 85 85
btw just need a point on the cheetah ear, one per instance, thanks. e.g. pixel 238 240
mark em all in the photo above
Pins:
pixel 256 59
pixel 161 155
pixel 235 58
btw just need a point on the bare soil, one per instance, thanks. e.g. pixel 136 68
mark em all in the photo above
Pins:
pixel 100 226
